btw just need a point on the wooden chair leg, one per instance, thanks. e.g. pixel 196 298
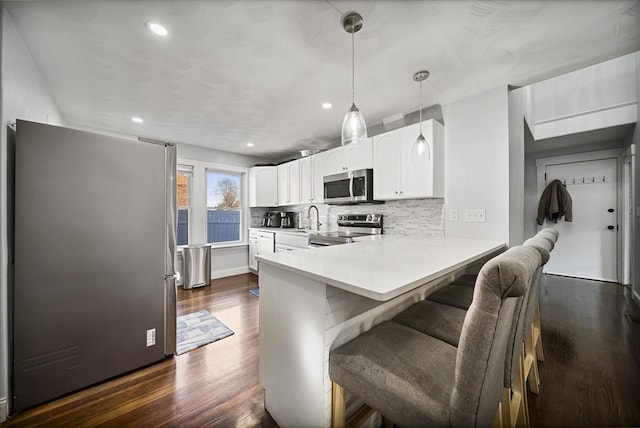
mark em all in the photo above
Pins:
pixel 338 410
pixel 520 382
pixel 498 421
pixel 538 336
pixel 504 419
pixel 531 374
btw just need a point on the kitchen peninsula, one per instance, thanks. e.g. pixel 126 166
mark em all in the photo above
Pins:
pixel 315 300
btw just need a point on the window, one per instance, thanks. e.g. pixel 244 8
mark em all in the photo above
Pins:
pixel 224 206
pixel 183 197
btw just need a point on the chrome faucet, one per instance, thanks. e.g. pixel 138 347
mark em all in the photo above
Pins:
pixel 317 218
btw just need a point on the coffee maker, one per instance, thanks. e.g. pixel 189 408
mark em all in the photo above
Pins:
pixel 271 219
pixel 282 219
pixel 287 219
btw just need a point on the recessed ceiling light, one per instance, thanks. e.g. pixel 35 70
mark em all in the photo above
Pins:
pixel 137 119
pixel 326 106
pixel 156 28
pixel 249 144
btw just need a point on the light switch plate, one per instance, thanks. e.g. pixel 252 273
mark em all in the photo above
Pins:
pixel 151 337
pixel 476 215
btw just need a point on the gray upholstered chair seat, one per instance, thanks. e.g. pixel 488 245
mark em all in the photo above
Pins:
pixel 406 375
pixel 415 379
pixel 438 320
pixel 459 296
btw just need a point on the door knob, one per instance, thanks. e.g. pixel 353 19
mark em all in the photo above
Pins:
pixel 610 227
pixel 610 210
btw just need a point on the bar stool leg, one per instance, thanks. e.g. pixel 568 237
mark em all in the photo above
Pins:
pixel 538 335
pixel 338 410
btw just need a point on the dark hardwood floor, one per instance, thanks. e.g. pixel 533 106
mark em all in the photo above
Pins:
pixel 591 372
pixel 590 377
pixel 215 385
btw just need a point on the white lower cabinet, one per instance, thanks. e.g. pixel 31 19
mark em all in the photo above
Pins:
pixel 397 175
pixel 253 249
pixel 260 242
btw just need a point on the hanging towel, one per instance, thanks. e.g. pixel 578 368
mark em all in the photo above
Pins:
pixel 555 203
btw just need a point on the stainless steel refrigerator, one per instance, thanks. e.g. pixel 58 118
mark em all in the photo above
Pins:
pixel 93 288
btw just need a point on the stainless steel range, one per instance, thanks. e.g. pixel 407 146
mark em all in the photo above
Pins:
pixel 350 226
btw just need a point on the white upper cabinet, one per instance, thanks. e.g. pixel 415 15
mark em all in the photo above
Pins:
pixel 349 158
pixel 396 175
pixel 311 175
pixel 263 186
pixel 596 97
pixel 289 183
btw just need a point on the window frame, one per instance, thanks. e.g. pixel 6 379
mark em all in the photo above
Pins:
pixel 198 201
pixel 182 168
pixel 243 203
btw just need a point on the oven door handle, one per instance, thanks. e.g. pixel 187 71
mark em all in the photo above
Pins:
pixel 351 185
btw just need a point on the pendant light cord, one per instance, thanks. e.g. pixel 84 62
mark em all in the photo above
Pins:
pixel 353 68
pixel 421 107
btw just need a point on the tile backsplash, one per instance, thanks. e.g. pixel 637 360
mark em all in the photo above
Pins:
pixel 407 217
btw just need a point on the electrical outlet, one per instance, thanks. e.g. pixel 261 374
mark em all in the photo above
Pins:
pixel 453 214
pixel 151 337
pixel 475 215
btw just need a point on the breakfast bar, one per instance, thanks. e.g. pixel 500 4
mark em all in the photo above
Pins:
pixel 315 300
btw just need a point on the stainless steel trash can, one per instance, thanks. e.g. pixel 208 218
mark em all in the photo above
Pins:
pixel 196 261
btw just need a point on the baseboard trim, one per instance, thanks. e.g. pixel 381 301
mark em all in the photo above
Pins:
pixel 230 272
pixel 4 409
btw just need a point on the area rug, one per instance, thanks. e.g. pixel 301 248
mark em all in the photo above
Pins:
pixel 198 329
pixel 255 292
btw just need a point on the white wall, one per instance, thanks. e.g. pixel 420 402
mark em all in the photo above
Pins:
pixel 477 164
pixel 518 100
pixel 635 266
pixel 24 96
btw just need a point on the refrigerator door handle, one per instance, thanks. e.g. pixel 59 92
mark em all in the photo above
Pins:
pixel 170 242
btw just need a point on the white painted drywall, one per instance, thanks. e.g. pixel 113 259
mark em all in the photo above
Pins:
pixel 635 274
pixel 518 99
pixel 477 164
pixel 24 96
pixel 600 96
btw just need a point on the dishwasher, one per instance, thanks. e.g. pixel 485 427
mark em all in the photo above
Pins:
pixel 265 244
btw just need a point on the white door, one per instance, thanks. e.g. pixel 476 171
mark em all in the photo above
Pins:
pixel 587 246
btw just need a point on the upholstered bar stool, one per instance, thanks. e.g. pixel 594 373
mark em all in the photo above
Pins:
pixel 415 379
pixel 445 322
pixel 533 339
pixel 551 236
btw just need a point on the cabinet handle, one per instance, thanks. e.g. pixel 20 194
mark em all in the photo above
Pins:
pixel 396 192
pixel 401 192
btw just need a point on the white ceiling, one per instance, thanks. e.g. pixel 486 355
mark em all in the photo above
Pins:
pixel 230 72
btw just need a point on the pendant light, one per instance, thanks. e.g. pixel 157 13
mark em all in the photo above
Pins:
pixel 420 148
pixel 354 128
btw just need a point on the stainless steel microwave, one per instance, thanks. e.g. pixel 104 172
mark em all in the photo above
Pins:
pixel 349 187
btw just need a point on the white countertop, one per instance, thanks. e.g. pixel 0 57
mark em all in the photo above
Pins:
pixel 383 267
pixel 280 230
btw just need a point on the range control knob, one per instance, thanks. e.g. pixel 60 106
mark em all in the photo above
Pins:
pixel 369 217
